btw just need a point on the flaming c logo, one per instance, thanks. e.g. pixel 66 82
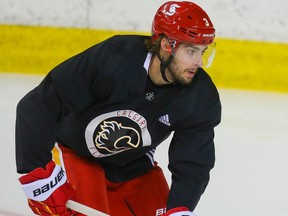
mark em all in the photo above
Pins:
pixel 115 132
pixel 172 10
pixel 114 137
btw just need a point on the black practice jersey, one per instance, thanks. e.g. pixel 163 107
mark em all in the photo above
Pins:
pixel 102 104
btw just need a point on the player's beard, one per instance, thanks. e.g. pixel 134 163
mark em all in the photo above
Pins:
pixel 178 74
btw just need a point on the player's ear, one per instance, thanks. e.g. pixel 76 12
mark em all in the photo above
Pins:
pixel 165 46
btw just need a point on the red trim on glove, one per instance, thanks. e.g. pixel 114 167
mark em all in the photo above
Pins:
pixel 38 174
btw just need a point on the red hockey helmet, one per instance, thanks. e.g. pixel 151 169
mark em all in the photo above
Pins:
pixel 183 22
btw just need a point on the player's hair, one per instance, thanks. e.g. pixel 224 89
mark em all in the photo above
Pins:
pixel 154 45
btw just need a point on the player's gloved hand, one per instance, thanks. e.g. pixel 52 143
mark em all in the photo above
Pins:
pixel 48 190
pixel 179 211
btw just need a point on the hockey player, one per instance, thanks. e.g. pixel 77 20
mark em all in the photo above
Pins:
pixel 88 132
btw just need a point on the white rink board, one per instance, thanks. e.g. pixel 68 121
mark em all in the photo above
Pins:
pixel 250 177
pixel 264 20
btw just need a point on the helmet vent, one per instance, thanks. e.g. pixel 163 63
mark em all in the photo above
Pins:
pixel 189 33
pixel 190 17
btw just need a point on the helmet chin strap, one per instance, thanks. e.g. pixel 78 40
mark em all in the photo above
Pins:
pixel 164 65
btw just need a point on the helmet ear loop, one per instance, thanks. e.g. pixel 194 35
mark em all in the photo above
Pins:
pixel 164 64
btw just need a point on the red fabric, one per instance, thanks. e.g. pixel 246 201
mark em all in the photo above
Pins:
pixel 54 204
pixel 88 178
pixel 141 196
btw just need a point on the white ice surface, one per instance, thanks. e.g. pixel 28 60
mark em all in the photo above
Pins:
pixel 249 179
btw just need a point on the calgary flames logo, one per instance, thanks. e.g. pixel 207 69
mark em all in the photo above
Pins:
pixel 117 131
pixel 172 9
pixel 114 137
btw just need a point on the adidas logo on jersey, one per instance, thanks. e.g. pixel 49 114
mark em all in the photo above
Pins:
pixel 165 120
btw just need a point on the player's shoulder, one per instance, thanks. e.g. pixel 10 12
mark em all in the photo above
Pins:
pixel 124 40
pixel 121 46
pixel 204 82
pixel 201 93
pixel 129 37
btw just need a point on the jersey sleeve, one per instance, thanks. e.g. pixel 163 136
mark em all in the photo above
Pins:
pixel 69 88
pixel 192 156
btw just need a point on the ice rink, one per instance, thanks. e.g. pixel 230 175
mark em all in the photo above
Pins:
pixel 250 177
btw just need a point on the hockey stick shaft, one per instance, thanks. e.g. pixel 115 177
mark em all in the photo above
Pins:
pixel 83 209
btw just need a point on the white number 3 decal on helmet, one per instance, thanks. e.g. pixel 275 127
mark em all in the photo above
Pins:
pixel 206 21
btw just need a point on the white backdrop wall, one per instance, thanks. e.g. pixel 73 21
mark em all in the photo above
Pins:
pixel 264 20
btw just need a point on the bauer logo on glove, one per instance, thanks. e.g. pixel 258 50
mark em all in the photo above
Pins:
pixel 45 187
pixel 48 190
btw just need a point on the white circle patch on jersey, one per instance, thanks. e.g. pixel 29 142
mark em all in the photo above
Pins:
pixel 115 132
